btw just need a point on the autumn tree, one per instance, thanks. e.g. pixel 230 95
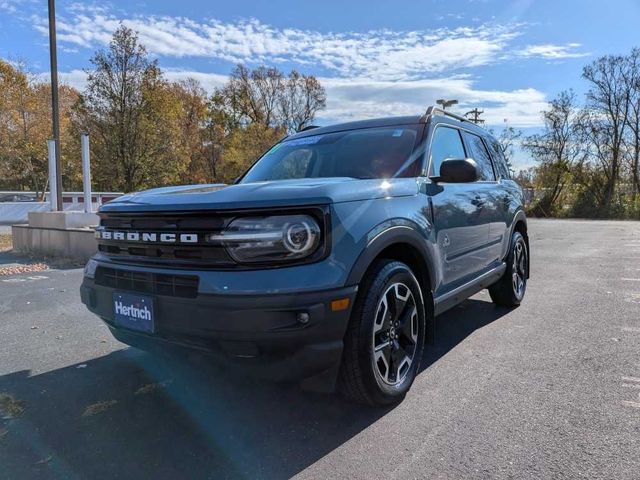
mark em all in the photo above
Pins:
pixel 120 109
pixel 25 126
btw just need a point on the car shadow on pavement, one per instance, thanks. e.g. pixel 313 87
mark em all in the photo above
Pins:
pixel 132 415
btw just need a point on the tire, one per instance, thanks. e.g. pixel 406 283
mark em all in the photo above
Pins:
pixel 510 289
pixel 388 314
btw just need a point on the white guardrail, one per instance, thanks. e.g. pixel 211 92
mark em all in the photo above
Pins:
pixel 18 212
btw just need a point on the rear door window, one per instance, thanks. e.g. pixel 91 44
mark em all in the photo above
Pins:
pixel 498 159
pixel 478 151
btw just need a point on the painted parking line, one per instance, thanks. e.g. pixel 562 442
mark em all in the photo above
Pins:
pixel 634 383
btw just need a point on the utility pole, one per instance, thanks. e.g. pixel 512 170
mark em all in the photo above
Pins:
pixel 55 113
pixel 474 116
pixel 446 103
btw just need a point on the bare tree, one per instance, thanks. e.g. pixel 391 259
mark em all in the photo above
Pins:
pixel 632 80
pixel 608 99
pixel 557 148
pixel 507 139
pixel 255 94
pixel 301 98
pixel 267 97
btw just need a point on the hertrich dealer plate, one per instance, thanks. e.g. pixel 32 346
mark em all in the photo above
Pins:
pixel 133 311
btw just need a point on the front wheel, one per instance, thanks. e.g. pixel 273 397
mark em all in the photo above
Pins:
pixel 509 290
pixel 385 338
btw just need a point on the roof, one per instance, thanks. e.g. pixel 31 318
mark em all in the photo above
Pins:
pixel 443 117
pixel 374 122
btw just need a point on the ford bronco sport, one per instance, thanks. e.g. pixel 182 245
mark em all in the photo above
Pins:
pixel 327 261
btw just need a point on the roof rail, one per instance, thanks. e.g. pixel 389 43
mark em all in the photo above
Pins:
pixel 432 110
pixel 308 127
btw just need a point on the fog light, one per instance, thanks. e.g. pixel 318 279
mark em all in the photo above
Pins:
pixel 303 317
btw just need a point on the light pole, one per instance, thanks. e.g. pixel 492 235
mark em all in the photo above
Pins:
pixel 446 103
pixel 55 114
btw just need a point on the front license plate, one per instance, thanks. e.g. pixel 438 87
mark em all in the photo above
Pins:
pixel 133 311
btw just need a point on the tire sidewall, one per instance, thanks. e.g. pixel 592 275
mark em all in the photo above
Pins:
pixel 392 273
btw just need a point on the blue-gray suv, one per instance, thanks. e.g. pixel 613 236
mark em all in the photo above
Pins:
pixel 327 261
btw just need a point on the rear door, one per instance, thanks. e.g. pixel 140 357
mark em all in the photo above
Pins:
pixel 461 226
pixel 488 194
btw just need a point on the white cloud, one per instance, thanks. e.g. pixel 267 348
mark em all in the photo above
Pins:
pixel 553 52
pixel 360 98
pixel 379 54
pixel 9 5
pixel 354 99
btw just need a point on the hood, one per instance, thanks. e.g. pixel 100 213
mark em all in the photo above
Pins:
pixel 281 193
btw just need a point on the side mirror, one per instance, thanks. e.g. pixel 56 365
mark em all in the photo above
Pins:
pixel 458 170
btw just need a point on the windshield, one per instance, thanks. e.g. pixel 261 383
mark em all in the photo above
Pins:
pixel 383 152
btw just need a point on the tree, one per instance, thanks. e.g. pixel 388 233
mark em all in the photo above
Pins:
pixel 507 140
pixel 608 100
pixel 25 122
pixel 632 80
pixel 117 109
pixel 556 149
pixel 267 97
pixel 301 98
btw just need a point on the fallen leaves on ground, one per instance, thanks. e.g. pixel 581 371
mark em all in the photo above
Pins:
pixel 10 407
pixel 151 387
pixel 99 407
pixel 29 268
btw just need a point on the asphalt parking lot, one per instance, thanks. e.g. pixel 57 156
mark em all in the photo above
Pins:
pixel 548 390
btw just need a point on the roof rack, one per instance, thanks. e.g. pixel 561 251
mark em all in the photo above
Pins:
pixel 432 110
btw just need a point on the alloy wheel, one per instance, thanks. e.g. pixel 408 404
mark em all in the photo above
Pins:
pixel 519 269
pixel 395 334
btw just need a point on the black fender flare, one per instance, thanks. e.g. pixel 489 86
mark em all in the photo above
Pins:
pixel 386 235
pixel 381 238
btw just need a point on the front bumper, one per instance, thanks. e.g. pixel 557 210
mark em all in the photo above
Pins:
pixel 261 333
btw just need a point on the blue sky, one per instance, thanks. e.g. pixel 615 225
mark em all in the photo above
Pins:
pixel 374 57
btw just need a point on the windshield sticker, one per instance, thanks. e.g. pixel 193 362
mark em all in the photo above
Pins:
pixel 303 141
pixel 397 133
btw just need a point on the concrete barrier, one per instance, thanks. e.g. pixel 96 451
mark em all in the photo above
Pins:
pixel 77 243
pixel 57 234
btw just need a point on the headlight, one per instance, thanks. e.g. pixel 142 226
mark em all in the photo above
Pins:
pixel 264 239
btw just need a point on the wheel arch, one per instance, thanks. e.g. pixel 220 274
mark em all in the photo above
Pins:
pixel 405 244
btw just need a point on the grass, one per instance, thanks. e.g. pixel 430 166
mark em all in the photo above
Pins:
pixel 99 407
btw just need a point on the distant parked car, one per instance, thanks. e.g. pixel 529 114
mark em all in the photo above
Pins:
pixel 17 197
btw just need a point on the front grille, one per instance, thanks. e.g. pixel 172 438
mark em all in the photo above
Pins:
pixel 185 286
pixel 198 254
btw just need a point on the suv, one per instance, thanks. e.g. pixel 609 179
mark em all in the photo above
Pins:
pixel 327 261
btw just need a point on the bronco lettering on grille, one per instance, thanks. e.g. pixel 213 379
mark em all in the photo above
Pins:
pixel 147 237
